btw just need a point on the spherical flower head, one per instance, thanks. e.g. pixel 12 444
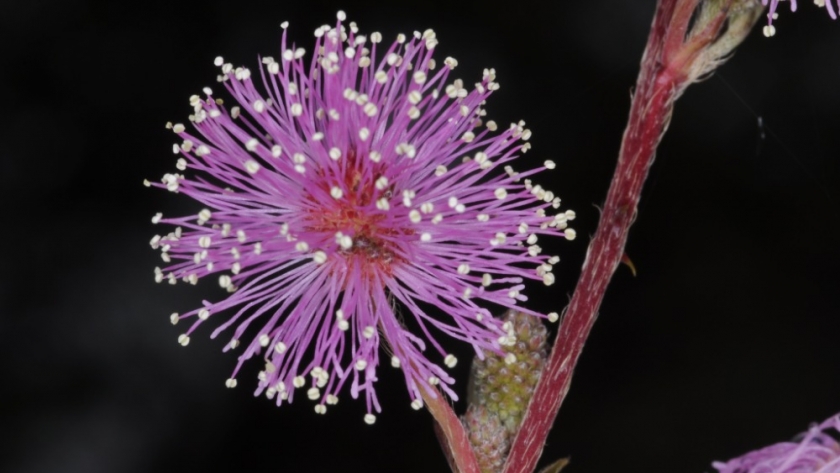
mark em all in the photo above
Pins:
pixel 816 452
pixel 345 195
pixel 770 30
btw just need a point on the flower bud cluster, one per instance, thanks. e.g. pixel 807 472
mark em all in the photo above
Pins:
pixel 501 387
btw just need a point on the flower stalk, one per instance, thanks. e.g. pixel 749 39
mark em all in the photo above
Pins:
pixel 688 39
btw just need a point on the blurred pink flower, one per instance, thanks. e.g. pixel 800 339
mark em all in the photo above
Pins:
pixel 816 452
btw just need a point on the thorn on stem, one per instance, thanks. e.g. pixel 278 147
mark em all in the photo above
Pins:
pixel 626 260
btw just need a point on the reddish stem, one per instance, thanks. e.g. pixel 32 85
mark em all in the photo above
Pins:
pixel 656 89
pixel 452 435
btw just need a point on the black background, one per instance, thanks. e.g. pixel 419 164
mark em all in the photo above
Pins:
pixel 726 341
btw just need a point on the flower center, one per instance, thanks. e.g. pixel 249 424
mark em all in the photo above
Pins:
pixel 375 237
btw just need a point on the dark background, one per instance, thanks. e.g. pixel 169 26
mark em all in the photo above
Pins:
pixel 726 341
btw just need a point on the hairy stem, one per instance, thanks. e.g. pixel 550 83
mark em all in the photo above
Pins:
pixel 650 114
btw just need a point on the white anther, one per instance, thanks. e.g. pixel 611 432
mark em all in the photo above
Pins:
pixel 375 156
pixel 440 170
pixel 320 409
pixel 434 380
pixel 370 419
pixel 224 281
pixel 302 246
pixel 343 325
pixel 500 193
pixel 204 241
pixel 553 317
pixel 298 381
pixel 203 314
pixel 276 151
pixel 570 234
pixel 336 192
pixel 360 365
pixel 548 279
pixel 319 257
pixel 332 399
pixel 395 362
pixel 183 339
pixel 382 204
pixel 264 340
pixel 450 361
pixel 425 237
pixel 382 183
pixel 296 109
pixel 252 166
pixel 414 216
pixel 313 393
pixel 280 347
pixel 346 242
pixel 419 77
pixel 370 110
pixel 174 318
pixel 453 201
pixel 437 219
pixel 335 154
pixel 463 268
pixel 364 133
pixel 427 207
pixel 408 195
pixel 510 359
pixel 368 332
pixel 486 279
pixel 230 383
pixel 414 97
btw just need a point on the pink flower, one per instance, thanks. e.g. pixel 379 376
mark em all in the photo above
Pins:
pixel 816 452
pixel 770 30
pixel 345 195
